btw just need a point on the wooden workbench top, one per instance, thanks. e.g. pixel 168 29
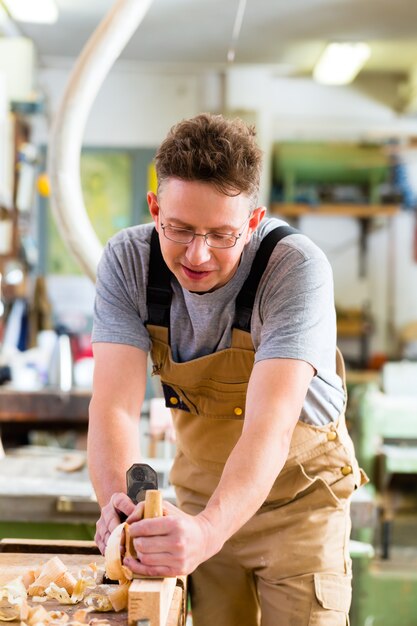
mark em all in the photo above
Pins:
pixel 13 564
pixel 16 564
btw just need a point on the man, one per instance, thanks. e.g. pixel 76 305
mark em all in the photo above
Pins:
pixel 245 345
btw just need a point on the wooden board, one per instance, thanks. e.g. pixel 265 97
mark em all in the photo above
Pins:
pixel 13 564
pixel 48 546
pixel 150 599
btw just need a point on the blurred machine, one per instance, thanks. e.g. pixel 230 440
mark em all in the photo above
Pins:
pixel 310 171
pixel 384 427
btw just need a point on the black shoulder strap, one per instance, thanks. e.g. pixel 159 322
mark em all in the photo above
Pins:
pixel 246 296
pixel 159 291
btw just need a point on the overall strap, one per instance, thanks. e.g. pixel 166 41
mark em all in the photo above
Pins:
pixel 159 291
pixel 246 296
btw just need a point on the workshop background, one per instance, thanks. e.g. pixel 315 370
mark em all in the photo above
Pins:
pixel 340 163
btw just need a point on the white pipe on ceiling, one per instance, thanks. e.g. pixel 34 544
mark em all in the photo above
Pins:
pixel 87 76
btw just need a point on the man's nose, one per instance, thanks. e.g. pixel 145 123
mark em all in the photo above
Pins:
pixel 198 252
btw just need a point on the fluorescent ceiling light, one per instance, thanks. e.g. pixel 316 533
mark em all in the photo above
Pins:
pixel 35 11
pixel 340 63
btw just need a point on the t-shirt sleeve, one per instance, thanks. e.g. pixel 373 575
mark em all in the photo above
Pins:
pixel 297 312
pixel 117 318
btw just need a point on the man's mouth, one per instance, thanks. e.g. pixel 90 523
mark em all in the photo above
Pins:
pixel 195 275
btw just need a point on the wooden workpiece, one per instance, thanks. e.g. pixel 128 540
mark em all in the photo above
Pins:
pixel 150 598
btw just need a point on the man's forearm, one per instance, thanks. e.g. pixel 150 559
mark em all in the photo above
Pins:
pixel 113 446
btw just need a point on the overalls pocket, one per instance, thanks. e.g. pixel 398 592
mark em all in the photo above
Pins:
pixel 220 400
pixel 334 595
pixel 338 470
pixel 295 483
pixel 319 482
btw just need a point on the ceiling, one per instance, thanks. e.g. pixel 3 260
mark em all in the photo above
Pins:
pixel 288 34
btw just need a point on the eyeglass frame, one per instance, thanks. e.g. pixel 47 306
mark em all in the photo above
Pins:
pixel 205 235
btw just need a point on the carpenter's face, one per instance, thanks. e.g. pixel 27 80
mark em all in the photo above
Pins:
pixel 186 207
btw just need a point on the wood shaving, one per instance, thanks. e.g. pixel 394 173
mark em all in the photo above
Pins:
pixel 13 601
pixel 39 599
pixel 118 596
pixel 51 571
pixel 71 463
pixel 115 548
pixel 99 601
pixel 37 615
pixel 80 616
pixel 59 615
pixel 54 581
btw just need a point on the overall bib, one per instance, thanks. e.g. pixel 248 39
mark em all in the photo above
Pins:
pixel 289 565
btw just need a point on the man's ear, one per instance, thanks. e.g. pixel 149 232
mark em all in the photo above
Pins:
pixel 257 216
pixel 153 207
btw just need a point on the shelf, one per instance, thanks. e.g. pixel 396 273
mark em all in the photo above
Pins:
pixel 341 210
pixel 363 377
pixel 353 327
pixel 44 406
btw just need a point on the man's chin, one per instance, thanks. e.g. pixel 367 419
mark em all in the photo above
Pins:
pixel 195 287
pixel 202 285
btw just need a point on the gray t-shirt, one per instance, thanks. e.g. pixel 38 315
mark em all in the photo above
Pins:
pixel 293 316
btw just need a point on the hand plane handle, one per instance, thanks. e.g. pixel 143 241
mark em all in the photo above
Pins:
pixel 153 504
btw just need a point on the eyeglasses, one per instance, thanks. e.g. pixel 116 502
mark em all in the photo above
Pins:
pixel 213 240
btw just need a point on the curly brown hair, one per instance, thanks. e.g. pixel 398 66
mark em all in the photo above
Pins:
pixel 212 149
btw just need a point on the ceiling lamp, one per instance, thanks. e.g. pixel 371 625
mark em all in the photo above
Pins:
pixel 340 63
pixel 39 12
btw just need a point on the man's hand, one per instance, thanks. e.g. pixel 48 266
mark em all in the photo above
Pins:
pixel 119 506
pixel 171 545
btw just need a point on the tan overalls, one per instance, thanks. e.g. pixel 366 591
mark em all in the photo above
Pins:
pixel 289 565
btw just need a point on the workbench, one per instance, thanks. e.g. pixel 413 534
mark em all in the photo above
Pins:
pixel 46 409
pixel 39 499
pixel 20 556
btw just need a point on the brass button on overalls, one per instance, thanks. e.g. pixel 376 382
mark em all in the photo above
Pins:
pixel 238 410
pixel 346 470
pixel 173 400
pixel 332 435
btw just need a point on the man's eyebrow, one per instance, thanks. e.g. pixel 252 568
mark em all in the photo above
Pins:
pixel 216 229
pixel 177 221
